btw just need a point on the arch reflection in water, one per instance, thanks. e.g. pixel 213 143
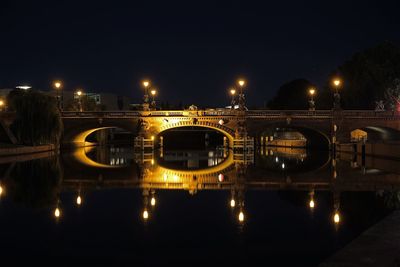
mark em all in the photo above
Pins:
pixel 102 157
pixel 306 172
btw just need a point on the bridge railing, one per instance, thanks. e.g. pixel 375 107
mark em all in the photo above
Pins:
pixel 369 113
pixel 228 112
pixel 100 114
pixel 280 113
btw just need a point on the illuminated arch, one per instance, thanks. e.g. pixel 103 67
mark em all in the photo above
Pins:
pixel 80 138
pixel 226 131
pixel 375 133
pixel 314 137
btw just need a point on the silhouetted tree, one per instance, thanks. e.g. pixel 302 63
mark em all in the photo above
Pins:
pixel 292 95
pixel 369 76
pixel 38 119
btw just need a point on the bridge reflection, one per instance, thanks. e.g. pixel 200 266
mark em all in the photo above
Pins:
pixel 87 170
pixel 238 176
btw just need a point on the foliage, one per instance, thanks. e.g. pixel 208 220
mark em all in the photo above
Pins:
pixel 38 120
pixel 369 76
pixel 392 94
pixel 292 95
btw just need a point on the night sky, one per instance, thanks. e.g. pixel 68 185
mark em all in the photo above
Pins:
pixel 191 50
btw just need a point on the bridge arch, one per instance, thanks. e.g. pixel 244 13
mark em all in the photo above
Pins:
pixel 222 128
pixel 315 137
pixel 374 133
pixel 77 130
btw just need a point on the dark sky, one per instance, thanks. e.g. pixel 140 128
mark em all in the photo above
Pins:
pixel 191 50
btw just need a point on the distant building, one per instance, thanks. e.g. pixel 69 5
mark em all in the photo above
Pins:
pixel 108 100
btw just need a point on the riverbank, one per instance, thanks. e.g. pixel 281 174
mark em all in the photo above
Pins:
pixel 378 246
pixel 7 150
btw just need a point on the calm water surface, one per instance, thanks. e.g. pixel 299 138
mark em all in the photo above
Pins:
pixel 175 207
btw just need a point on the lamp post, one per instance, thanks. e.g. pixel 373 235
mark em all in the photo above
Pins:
pixel 79 94
pixel 242 105
pixel 233 93
pixel 153 93
pixel 58 86
pixel 311 102
pixel 146 85
pixel 336 97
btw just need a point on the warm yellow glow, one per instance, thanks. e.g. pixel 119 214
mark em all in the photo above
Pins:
pixel 337 82
pixel 152 138
pixel 57 84
pixel 233 203
pixel 79 92
pixel 336 217
pixel 1 190
pixel 233 91
pixel 241 82
pixel 311 91
pixel 152 162
pixel 57 212
pixel 312 203
pixel 153 201
pixel 1 103
pixel 241 216
pixel 164 174
pixel 174 120
pixel 145 214
pixel 79 200
pixel 153 92
pixel 146 83
pixel 221 122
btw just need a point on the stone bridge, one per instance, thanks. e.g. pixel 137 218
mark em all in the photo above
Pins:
pixel 321 127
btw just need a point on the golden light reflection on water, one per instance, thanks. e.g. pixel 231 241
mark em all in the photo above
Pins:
pixel 79 200
pixel 336 217
pixel 57 213
pixel 225 175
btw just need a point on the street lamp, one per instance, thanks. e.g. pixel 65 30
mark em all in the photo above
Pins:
pixel 58 86
pixel 336 97
pixel 153 93
pixel 79 93
pixel 311 102
pixel 233 93
pixel 146 85
pixel 241 83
